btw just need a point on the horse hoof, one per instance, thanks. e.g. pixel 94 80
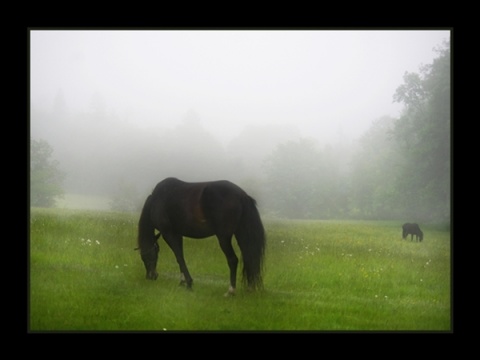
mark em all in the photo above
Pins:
pixel 230 292
pixel 186 285
pixel 152 276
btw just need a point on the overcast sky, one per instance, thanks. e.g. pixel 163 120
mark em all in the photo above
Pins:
pixel 321 81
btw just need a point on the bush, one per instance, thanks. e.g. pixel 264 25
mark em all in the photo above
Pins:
pixel 46 179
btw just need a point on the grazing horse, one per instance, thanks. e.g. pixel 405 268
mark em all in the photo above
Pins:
pixel 199 210
pixel 412 229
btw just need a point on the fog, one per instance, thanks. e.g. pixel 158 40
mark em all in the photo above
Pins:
pixel 138 106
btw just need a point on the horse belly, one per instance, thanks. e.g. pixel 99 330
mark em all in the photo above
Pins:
pixel 199 230
pixel 197 225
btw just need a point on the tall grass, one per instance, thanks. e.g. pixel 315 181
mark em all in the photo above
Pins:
pixel 320 275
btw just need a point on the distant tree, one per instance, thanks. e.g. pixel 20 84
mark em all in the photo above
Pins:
pixel 375 167
pixel 255 142
pixel 302 181
pixel 46 178
pixel 402 169
pixel 423 136
pixel 125 198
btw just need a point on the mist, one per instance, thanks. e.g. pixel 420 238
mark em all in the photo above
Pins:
pixel 134 107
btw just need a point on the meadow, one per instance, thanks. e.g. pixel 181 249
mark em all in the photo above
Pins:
pixel 84 275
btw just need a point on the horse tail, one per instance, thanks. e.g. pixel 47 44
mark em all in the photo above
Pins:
pixel 250 236
pixel 146 230
pixel 404 230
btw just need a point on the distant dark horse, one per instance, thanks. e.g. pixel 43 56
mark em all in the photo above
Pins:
pixel 199 210
pixel 412 229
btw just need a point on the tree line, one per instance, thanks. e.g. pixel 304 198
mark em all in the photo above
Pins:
pixel 399 169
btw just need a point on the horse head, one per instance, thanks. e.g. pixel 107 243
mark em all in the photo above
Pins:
pixel 149 258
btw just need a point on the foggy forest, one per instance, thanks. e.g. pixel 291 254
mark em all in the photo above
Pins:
pixel 398 168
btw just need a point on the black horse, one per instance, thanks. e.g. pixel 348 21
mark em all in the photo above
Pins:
pixel 412 229
pixel 199 210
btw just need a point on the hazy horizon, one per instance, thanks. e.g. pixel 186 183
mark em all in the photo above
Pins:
pixel 321 82
pixel 129 108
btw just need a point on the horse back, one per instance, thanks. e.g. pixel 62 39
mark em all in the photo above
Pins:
pixel 177 208
pixel 197 209
pixel 222 205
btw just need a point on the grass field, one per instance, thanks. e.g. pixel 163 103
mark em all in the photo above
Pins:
pixel 320 276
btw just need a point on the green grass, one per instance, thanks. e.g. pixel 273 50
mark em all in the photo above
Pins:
pixel 320 276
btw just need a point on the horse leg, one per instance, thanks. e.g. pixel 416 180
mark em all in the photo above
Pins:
pixel 175 242
pixel 232 260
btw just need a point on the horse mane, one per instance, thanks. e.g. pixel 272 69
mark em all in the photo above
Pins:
pixel 146 229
